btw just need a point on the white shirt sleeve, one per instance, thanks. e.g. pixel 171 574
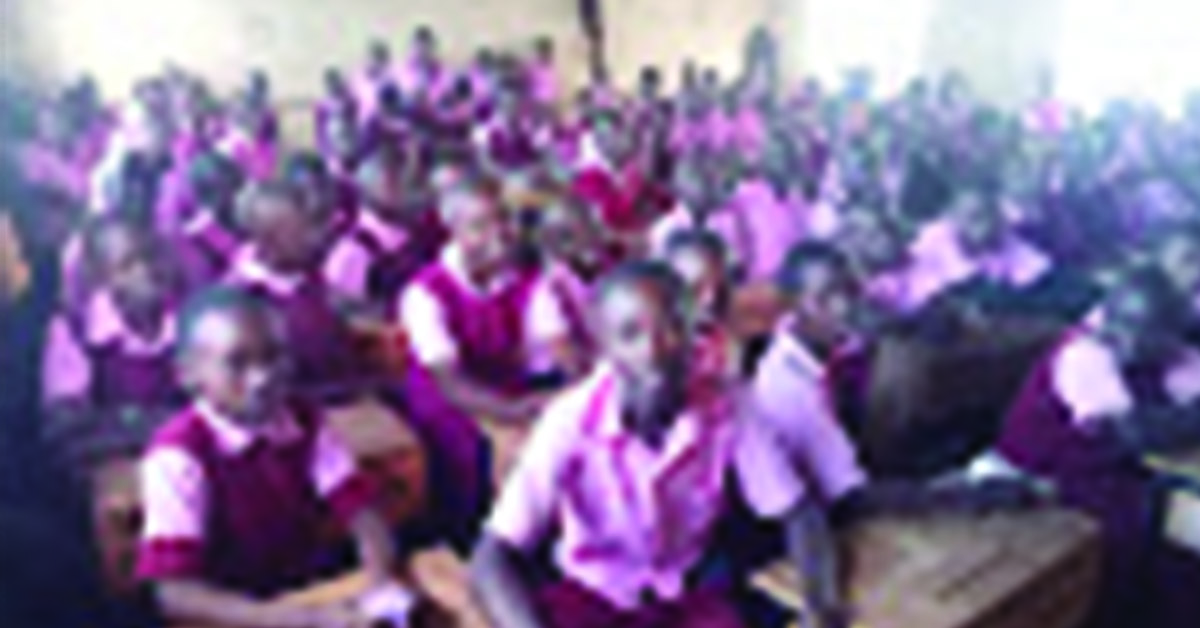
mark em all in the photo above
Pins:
pixel 545 320
pixel 173 495
pixel 66 370
pixel 332 463
pixel 768 481
pixel 1088 380
pixel 346 270
pixel 429 337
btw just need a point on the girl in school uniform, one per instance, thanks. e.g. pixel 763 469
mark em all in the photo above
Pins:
pixel 287 241
pixel 107 377
pixel 210 236
pixel 542 75
pixel 700 260
pixel 239 486
pixel 379 73
pixel 973 247
pixel 394 234
pixel 483 333
pixel 1104 394
pixel 510 140
pixel 639 425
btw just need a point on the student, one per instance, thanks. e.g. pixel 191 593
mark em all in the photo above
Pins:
pixel 876 243
pixel 701 261
pixel 633 418
pixel 1102 396
pixel 395 233
pixel 338 100
pixel 811 354
pixel 485 335
pixel 774 221
pixel 1177 252
pixel 609 177
pixel 422 78
pixel 239 486
pixel 478 323
pixel 541 74
pixel 509 140
pixel 287 244
pixel 107 377
pixel 973 245
pixel 210 236
pixel 378 73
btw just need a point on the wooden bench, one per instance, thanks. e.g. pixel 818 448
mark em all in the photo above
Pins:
pixel 1013 570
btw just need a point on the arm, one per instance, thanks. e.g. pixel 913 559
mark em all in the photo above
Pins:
pixel 199 601
pixel 811 549
pixel 376 552
pixel 501 586
pixel 476 400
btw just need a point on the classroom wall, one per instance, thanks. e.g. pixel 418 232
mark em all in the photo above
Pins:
pixel 120 40
pixel 1002 46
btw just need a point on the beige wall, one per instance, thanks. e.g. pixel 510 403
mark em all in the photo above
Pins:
pixel 119 40
pixel 1000 44
pixel 1003 46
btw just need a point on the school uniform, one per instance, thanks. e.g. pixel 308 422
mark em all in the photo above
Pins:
pixel 943 262
pixel 773 222
pixel 1050 433
pixel 204 249
pixel 795 398
pixel 95 356
pixel 543 84
pixel 322 348
pixel 627 560
pixel 244 508
pixel 510 145
pixel 497 335
pixel 373 260
pixel 257 156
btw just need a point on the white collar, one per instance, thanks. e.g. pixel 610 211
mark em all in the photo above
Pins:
pixel 249 268
pixel 234 439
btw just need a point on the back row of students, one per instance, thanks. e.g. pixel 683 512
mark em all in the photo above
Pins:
pixel 427 209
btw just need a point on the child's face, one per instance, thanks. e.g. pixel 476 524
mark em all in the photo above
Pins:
pixel 646 338
pixel 292 236
pixel 867 237
pixel 1179 258
pixel 1128 326
pixel 237 362
pixel 979 222
pixel 704 277
pixel 825 303
pixel 483 232
pixel 567 234
pixel 129 269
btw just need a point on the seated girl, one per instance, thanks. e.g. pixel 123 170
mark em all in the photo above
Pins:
pixel 699 259
pixel 210 236
pixel 394 234
pixel 974 252
pixel 107 373
pixel 480 324
pixel 240 486
pixel 287 241
pixel 637 414
pixel 1103 396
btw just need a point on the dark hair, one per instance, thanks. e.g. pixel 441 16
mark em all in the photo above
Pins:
pixel 702 240
pixel 216 300
pixel 799 258
pixel 644 272
pixel 213 177
pixel 255 194
pixel 1170 311
pixel 711 245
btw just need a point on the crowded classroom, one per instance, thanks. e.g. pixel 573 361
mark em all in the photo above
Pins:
pixel 456 340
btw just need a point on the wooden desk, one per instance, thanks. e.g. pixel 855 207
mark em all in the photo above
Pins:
pixel 1013 570
pixel 438 573
pixel 1182 475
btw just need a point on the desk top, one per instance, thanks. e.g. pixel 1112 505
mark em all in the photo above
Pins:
pixel 960 571
pixel 1183 466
